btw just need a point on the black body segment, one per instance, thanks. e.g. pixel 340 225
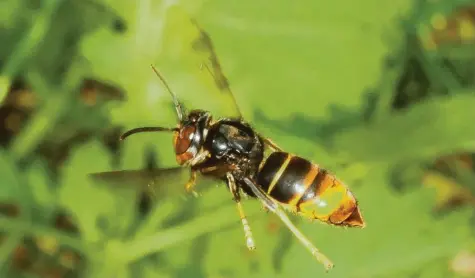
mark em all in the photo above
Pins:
pixel 233 144
pixel 285 177
pixel 292 182
pixel 230 136
pixel 270 169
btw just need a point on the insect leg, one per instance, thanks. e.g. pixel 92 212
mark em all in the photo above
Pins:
pixel 247 229
pixel 274 207
pixel 191 183
pixel 271 143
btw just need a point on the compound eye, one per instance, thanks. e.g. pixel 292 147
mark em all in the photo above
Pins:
pixel 184 138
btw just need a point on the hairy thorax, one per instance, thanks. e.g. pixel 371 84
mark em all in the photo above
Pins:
pixel 234 146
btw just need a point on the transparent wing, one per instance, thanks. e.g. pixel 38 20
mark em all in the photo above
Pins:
pixel 204 45
pixel 188 50
pixel 160 183
pixel 189 60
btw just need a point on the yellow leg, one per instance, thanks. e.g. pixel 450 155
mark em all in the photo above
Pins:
pixel 247 229
pixel 275 208
pixel 189 186
pixel 271 144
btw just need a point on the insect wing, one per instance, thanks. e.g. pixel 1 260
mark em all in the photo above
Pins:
pixel 188 60
pixel 158 182
pixel 204 46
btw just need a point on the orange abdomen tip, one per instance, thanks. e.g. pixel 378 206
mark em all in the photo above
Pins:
pixel 354 219
pixel 348 213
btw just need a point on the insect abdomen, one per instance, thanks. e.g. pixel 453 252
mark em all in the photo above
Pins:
pixel 306 188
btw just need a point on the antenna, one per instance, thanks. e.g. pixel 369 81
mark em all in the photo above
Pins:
pixel 179 109
pixel 146 129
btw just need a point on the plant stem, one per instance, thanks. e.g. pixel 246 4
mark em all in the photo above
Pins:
pixel 32 39
pixel 192 229
pixel 16 225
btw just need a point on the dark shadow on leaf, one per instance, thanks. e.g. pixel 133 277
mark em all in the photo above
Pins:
pixel 316 131
pixel 195 268
pixel 111 142
pixel 186 212
pixel 145 200
pixel 453 206
pixel 406 176
pixel 226 273
pixel 119 26
pixel 370 100
pixel 285 242
pixel 254 266
pixel 413 86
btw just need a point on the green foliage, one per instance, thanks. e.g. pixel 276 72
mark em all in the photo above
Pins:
pixel 320 78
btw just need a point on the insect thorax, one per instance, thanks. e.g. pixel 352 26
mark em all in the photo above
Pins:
pixel 235 144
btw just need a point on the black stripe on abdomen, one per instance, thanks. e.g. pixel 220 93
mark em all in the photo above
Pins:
pixel 271 167
pixel 315 187
pixel 291 182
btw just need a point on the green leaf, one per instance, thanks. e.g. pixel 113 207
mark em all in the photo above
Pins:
pixel 49 115
pixel 35 35
pixel 311 63
pixel 304 56
pixel 426 130
pixel 41 185
pixel 92 205
pixel 11 185
pixel 232 242
pixel 192 229
pixel 5 83
pixel 19 226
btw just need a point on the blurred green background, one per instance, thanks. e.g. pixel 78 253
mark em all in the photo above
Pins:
pixel 381 93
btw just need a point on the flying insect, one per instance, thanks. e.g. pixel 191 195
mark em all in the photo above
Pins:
pixel 230 150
